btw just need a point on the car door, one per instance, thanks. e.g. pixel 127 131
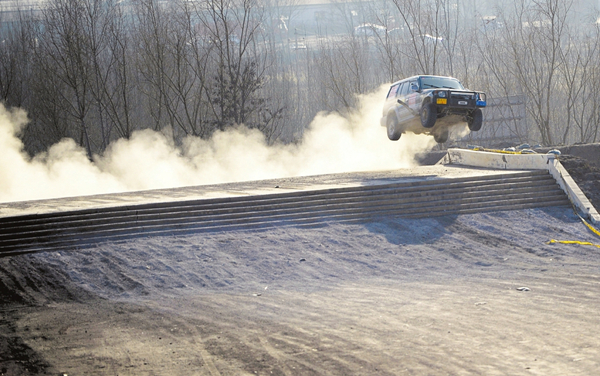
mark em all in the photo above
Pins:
pixel 401 109
pixel 413 98
pixel 390 100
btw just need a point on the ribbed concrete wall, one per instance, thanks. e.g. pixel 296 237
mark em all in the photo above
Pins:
pixel 418 198
pixel 548 162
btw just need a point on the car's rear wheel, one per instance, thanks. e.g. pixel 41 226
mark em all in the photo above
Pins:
pixel 441 137
pixel 393 129
pixel 428 115
pixel 475 120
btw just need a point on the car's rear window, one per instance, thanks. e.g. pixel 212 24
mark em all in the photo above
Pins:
pixel 440 82
pixel 392 92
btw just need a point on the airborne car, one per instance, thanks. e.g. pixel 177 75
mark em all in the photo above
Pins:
pixel 431 105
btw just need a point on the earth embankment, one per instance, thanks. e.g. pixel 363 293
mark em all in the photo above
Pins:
pixel 467 294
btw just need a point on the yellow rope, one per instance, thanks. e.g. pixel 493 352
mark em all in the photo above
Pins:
pixel 576 241
pixel 498 151
pixel 588 225
pixel 552 241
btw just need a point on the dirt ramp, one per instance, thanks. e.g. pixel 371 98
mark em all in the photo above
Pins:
pixel 29 280
pixel 588 152
pixel 586 174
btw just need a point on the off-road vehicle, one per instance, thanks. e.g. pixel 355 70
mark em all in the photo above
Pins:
pixel 431 105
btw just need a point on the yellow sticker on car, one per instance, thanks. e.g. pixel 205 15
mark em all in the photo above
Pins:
pixel 442 101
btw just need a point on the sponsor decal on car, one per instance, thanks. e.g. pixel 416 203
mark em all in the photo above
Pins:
pixel 412 100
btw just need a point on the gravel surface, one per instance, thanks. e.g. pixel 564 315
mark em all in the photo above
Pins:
pixel 467 294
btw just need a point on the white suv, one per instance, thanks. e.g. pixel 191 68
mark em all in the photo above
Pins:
pixel 430 105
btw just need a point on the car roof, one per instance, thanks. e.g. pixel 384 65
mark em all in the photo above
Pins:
pixel 420 76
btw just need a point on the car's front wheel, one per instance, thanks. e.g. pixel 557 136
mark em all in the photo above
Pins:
pixel 475 120
pixel 428 115
pixel 393 129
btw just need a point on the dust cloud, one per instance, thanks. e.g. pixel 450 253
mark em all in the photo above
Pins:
pixel 149 160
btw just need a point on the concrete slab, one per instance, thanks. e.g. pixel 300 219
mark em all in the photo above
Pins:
pixel 487 159
pixel 249 188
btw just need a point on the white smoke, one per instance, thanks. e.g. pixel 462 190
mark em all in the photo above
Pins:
pixel 148 160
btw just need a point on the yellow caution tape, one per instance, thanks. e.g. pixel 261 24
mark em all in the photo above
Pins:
pixel 498 151
pixel 595 231
pixel 576 241
pixel 552 241
pixel 588 225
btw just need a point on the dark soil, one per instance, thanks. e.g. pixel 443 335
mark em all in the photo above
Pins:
pixel 586 175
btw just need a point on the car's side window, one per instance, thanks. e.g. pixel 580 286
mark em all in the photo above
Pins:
pixel 415 84
pixel 403 89
pixel 412 96
pixel 399 92
pixel 392 92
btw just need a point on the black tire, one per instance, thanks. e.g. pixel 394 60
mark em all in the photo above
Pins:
pixel 393 129
pixel 475 120
pixel 441 137
pixel 428 115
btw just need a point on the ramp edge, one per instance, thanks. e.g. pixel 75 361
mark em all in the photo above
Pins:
pixel 547 162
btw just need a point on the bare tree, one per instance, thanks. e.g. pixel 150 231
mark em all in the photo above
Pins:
pixel 95 70
pixel 115 81
pixel 498 78
pixel 235 33
pixel 536 35
pixel 422 20
pixel 151 29
pixel 67 48
pixel 73 50
pixel 177 74
pixel 579 71
pixel 343 70
pixel 389 44
pixel 15 58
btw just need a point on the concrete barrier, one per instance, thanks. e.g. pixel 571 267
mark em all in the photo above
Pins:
pixel 486 159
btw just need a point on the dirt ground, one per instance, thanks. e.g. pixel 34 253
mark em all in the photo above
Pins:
pixel 586 174
pixel 454 295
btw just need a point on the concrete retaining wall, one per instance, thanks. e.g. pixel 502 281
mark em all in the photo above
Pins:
pixel 527 162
